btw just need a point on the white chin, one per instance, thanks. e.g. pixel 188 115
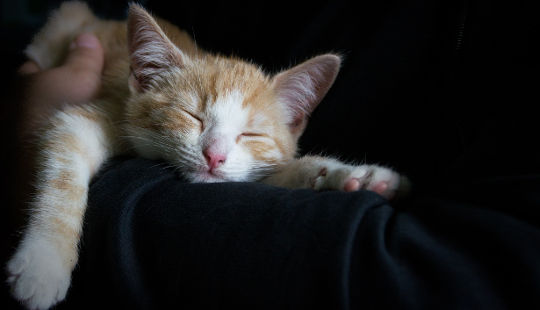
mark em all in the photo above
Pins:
pixel 205 177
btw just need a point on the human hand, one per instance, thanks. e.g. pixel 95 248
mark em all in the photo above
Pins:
pixel 76 81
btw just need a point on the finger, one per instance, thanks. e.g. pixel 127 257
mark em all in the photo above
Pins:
pixel 86 55
pixel 29 67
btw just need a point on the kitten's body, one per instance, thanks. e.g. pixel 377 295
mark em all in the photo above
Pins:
pixel 215 118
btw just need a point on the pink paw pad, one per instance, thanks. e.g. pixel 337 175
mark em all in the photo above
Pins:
pixel 352 185
pixel 380 187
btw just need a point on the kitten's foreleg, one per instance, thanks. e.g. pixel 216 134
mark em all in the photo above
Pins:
pixel 323 173
pixel 70 153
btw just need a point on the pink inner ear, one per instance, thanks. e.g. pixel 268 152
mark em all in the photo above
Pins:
pixel 151 51
pixel 299 91
pixel 298 120
pixel 304 86
pixel 133 82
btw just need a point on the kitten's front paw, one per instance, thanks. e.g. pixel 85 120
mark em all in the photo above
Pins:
pixel 37 275
pixel 383 181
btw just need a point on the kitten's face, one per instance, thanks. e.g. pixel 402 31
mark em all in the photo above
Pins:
pixel 216 118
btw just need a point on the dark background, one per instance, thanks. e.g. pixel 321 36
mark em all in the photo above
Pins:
pixel 443 91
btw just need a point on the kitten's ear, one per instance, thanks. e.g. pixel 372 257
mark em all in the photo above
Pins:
pixel 302 87
pixel 151 52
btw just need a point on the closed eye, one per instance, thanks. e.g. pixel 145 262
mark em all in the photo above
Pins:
pixel 195 117
pixel 250 135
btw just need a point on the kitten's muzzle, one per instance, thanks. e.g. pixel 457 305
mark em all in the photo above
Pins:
pixel 214 159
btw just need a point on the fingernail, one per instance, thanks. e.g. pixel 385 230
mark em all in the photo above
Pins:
pixel 86 40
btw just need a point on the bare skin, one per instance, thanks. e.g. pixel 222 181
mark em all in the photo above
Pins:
pixel 76 81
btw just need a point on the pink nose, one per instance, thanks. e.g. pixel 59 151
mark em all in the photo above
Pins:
pixel 214 159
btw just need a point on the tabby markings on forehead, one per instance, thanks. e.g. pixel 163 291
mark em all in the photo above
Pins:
pixel 190 100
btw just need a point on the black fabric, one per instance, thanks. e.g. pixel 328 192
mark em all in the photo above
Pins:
pixel 154 241
pixel 443 91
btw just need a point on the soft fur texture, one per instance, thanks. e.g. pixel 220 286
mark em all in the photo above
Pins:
pixel 212 117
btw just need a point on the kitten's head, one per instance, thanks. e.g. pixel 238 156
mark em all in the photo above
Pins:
pixel 216 118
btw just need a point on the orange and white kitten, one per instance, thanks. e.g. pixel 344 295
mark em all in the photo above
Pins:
pixel 216 118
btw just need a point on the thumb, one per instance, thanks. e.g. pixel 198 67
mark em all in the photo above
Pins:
pixel 86 56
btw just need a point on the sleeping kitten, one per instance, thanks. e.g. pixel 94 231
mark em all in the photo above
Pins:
pixel 216 118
